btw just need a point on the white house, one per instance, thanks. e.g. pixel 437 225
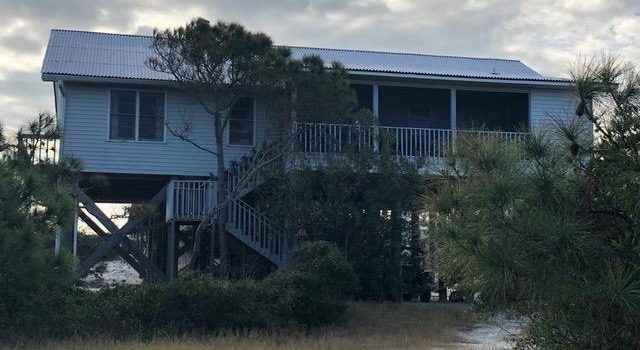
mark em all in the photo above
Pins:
pixel 112 109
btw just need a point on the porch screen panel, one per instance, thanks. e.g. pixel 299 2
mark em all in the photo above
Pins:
pixel 122 118
pixel 151 127
pixel 489 110
pixel 364 93
pixel 241 123
pixel 414 107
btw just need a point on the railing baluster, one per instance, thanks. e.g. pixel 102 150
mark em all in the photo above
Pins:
pixel 409 142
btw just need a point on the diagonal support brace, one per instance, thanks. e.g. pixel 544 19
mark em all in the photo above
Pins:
pixel 118 237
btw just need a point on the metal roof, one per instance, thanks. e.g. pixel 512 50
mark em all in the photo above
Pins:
pixel 103 55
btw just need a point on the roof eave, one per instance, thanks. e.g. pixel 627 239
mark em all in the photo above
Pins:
pixel 551 84
pixel 111 80
pixel 555 84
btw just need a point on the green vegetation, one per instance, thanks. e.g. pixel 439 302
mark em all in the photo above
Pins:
pixel 368 326
pixel 364 212
pixel 312 292
pixel 33 206
pixel 549 228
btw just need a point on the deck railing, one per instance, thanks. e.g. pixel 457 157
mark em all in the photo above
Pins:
pixel 257 231
pixel 333 138
pixel 490 134
pixel 39 148
pixel 416 142
pixel 190 199
pixel 324 138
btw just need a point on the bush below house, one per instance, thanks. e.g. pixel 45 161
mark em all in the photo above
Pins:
pixel 313 291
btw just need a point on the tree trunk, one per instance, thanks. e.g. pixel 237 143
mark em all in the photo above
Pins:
pixel 442 291
pixel 222 194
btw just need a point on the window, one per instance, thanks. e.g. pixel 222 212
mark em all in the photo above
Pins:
pixel 242 123
pixel 123 115
pixel 136 115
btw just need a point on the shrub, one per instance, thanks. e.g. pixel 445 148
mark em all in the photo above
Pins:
pixel 311 292
pixel 327 264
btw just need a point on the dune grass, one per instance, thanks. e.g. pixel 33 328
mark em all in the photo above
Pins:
pixel 370 326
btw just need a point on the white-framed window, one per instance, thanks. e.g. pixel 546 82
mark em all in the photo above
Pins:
pixel 136 115
pixel 242 122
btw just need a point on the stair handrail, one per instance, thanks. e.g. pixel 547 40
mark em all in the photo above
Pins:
pixel 275 248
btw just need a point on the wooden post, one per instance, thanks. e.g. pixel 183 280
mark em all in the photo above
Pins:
pixel 376 115
pixel 376 101
pixel 171 250
pixel 454 115
pixel 58 240
pixel 75 228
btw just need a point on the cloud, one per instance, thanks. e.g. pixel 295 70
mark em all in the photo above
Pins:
pixel 545 34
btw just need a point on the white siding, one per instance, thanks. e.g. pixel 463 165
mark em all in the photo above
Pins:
pixel 85 137
pixel 549 106
pixel 85 111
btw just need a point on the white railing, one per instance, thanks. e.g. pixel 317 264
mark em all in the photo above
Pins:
pixel 490 134
pixel 323 138
pixel 333 138
pixel 416 142
pixel 244 178
pixel 190 199
pixel 257 231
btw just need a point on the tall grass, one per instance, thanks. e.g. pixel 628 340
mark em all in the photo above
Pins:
pixel 370 326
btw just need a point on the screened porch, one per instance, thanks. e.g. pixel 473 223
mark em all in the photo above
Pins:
pixel 420 122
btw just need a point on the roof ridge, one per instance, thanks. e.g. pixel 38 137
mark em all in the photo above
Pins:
pixel 316 47
pixel 402 53
pixel 101 33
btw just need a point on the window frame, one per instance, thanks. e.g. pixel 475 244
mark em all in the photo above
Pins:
pixel 254 111
pixel 136 138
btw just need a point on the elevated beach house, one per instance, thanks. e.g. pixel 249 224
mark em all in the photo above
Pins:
pixel 112 110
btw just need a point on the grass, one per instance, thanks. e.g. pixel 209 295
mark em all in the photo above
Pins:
pixel 370 326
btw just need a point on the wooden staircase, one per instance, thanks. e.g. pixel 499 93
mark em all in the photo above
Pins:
pixel 193 200
pixel 257 231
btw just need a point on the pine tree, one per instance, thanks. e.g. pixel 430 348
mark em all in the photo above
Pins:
pixel 33 207
pixel 548 228
pixel 218 64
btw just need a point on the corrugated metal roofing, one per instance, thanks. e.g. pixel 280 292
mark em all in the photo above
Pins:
pixel 91 54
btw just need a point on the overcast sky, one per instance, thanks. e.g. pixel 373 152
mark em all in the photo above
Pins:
pixel 547 35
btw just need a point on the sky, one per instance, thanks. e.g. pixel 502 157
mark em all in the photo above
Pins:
pixel 547 35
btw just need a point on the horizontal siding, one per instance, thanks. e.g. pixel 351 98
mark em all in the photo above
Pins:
pixel 85 137
pixel 549 106
pixel 85 132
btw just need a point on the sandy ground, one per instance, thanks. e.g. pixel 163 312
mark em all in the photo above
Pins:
pixel 109 273
pixel 497 334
